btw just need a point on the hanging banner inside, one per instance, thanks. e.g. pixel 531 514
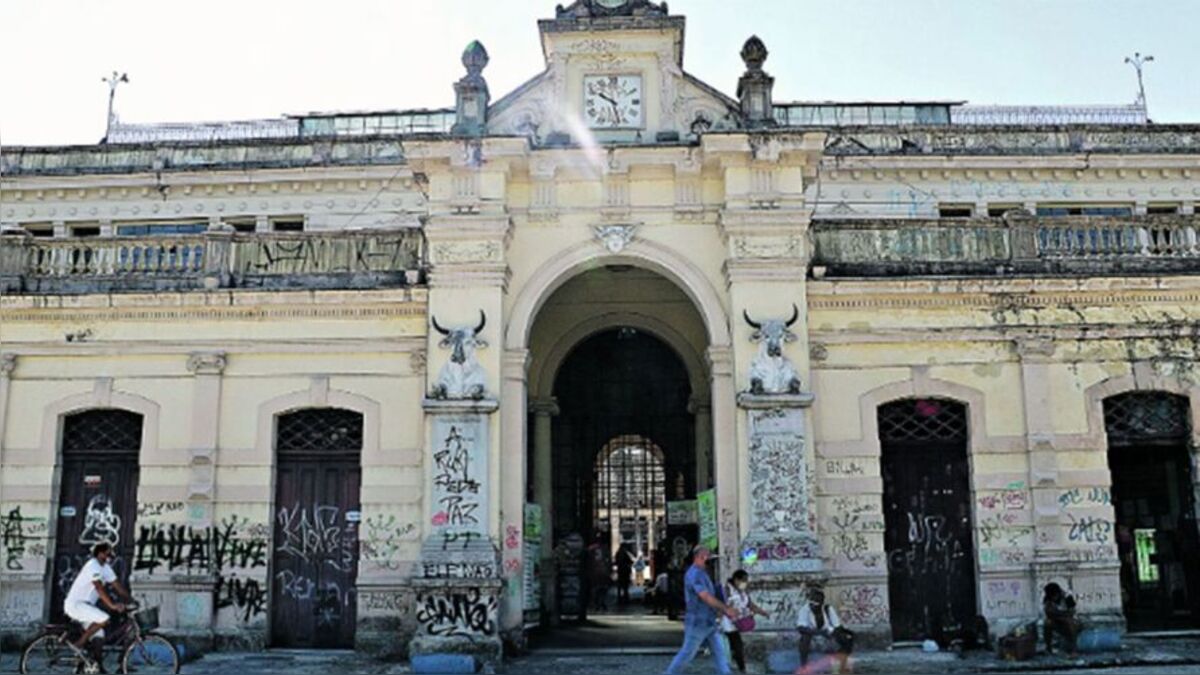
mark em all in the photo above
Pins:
pixel 706 513
pixel 681 513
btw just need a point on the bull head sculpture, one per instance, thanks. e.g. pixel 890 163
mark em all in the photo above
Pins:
pixel 462 377
pixel 771 372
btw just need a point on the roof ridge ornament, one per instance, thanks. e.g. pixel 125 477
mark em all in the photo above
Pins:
pixel 590 9
pixel 471 93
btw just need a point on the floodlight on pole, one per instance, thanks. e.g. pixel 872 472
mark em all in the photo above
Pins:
pixel 113 81
pixel 1137 61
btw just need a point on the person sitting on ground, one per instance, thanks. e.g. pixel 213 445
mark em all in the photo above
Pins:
pixel 1059 607
pixel 91 586
pixel 822 631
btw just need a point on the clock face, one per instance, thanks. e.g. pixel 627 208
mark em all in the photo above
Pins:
pixel 610 4
pixel 612 101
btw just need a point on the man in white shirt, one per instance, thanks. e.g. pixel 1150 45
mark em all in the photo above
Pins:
pixel 821 630
pixel 90 586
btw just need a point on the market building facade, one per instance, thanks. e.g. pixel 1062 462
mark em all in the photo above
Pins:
pixel 376 380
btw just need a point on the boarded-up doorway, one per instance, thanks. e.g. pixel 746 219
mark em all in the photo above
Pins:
pixel 98 495
pixel 927 518
pixel 317 513
pixel 1153 498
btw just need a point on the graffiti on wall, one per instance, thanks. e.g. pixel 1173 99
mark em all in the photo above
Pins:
pixel 21 536
pixel 452 612
pixel 385 537
pixel 778 478
pixel 228 550
pixel 459 475
pixel 100 523
pixel 316 534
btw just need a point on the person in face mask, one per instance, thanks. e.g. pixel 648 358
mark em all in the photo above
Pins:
pixel 738 598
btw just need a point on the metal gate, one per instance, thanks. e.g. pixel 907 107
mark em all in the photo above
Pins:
pixel 1153 497
pixel 98 495
pixel 927 518
pixel 317 514
pixel 623 448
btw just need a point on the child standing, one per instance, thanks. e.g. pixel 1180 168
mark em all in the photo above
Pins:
pixel 738 598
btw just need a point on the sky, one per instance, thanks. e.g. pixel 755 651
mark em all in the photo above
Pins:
pixel 207 60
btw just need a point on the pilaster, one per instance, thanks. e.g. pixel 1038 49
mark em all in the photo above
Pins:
pixel 8 363
pixel 206 369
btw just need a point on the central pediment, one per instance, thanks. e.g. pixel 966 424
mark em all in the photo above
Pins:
pixel 614 74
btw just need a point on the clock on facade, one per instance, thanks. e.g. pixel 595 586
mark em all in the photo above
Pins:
pixel 612 101
pixel 611 4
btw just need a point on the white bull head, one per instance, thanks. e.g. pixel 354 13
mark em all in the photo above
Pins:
pixel 771 372
pixel 462 377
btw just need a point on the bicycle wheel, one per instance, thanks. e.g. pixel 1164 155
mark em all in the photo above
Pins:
pixel 48 654
pixel 151 654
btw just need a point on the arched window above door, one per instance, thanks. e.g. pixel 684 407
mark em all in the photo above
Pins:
pixel 923 419
pixel 1140 417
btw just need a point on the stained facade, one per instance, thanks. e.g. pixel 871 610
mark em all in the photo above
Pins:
pixel 325 373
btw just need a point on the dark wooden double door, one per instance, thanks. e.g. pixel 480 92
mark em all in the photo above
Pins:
pixel 316 530
pixel 927 519
pixel 97 496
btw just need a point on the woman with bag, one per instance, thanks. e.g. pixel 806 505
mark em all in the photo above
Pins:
pixel 738 598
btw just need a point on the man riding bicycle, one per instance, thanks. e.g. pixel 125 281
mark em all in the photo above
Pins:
pixel 91 585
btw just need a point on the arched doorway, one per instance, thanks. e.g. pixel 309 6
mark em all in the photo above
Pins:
pixel 623 449
pixel 97 495
pixel 927 517
pixel 318 477
pixel 1153 498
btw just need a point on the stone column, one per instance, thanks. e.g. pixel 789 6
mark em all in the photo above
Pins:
pixel 1035 355
pixel 702 411
pixel 8 363
pixel 544 412
pixel 727 463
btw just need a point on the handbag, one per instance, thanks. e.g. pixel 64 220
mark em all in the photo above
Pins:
pixel 744 624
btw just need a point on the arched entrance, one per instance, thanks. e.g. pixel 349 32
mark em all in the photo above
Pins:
pixel 615 353
pixel 927 517
pixel 1152 496
pixel 97 496
pixel 314 565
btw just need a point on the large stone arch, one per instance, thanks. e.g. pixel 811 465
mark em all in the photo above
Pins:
pixel 640 253
pixel 922 387
pixel 543 371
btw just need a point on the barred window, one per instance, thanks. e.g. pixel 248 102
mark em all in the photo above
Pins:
pixel 103 430
pixel 923 419
pixel 1146 416
pixel 320 431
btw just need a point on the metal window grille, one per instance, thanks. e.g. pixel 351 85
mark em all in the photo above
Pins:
pixel 320 431
pixel 105 430
pixel 630 475
pixel 1146 416
pixel 923 419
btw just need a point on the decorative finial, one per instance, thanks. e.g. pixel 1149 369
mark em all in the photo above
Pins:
pixel 475 58
pixel 754 53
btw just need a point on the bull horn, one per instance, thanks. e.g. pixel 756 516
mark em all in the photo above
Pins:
pixel 437 327
pixel 755 326
pixel 795 315
pixel 482 322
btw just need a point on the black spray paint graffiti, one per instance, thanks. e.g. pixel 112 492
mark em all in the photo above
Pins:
pixel 232 545
pixel 385 536
pixel 1090 530
pixel 932 547
pixel 316 536
pixel 452 476
pixel 100 523
pixel 468 613
pixel 13 538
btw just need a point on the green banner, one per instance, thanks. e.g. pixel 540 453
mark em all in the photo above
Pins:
pixel 706 507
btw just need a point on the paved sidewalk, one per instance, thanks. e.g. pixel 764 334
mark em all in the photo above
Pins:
pixel 1159 657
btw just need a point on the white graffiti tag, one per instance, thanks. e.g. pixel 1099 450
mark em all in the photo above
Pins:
pixel 100 524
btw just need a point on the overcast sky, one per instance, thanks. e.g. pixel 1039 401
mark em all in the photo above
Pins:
pixel 237 59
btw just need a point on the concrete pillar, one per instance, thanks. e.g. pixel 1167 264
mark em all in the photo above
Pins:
pixel 8 363
pixel 702 410
pixel 206 413
pixel 731 476
pixel 544 411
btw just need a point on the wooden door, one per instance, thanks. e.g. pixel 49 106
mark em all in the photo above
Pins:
pixel 97 496
pixel 927 519
pixel 317 513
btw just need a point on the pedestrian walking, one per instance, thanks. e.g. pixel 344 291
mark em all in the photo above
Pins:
pixel 737 596
pixel 700 619
pixel 1059 607
pixel 624 574
pixel 821 630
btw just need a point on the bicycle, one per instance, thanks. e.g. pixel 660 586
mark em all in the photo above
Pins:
pixel 142 651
